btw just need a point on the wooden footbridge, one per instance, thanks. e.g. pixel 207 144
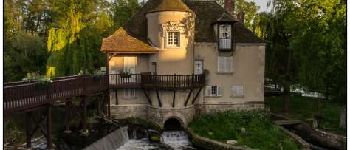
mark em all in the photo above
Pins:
pixel 37 98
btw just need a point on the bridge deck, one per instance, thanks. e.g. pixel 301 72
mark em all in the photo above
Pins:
pixel 20 96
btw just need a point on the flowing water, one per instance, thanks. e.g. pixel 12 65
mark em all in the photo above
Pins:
pixel 177 140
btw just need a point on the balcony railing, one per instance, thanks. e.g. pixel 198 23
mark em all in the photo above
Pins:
pixel 156 81
pixel 25 95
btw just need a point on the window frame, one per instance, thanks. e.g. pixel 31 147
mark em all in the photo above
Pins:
pixel 172 37
pixel 212 91
pixel 225 64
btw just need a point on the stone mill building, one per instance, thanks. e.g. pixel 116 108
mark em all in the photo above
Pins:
pixel 182 58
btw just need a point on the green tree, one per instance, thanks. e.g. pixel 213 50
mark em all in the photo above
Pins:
pixel 306 45
pixel 74 42
pixel 26 54
pixel 122 11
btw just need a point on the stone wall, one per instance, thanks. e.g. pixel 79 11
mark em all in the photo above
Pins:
pixel 185 115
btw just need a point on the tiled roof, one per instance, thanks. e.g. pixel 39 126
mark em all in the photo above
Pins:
pixel 121 41
pixel 207 13
pixel 171 5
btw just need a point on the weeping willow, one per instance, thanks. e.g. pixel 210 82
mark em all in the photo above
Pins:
pixel 72 47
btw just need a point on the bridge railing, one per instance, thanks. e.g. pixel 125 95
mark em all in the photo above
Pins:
pixel 22 95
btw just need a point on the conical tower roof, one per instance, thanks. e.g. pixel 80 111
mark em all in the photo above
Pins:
pixel 171 5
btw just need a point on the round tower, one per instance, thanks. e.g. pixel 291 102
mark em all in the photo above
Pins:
pixel 170 24
pixel 170 27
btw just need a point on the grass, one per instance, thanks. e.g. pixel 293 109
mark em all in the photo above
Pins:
pixel 253 129
pixel 305 108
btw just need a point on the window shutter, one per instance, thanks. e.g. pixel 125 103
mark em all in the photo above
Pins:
pixel 218 91
pixel 229 64
pixel 207 91
pixel 225 64
pixel 221 64
pixel 237 91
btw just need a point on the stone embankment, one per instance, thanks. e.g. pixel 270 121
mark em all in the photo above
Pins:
pixel 206 143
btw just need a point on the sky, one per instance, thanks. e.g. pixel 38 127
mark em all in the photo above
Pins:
pixel 262 4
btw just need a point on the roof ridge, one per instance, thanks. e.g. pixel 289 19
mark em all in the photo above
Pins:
pixel 171 5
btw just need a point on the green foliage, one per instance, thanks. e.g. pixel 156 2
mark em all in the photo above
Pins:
pixel 75 43
pixel 123 10
pixel 13 134
pixel 250 10
pixel 306 44
pixel 251 128
pixel 25 53
pixel 304 108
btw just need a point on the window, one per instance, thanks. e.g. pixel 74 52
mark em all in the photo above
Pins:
pixel 225 31
pixel 225 36
pixel 237 91
pixel 225 64
pixel 173 39
pixel 130 64
pixel 212 91
pixel 129 93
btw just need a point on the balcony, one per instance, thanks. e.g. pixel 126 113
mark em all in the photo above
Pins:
pixel 164 82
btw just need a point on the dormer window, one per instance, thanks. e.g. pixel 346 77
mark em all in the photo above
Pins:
pixel 223 29
pixel 225 40
pixel 173 39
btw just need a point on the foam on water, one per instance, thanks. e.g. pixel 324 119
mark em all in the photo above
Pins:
pixel 142 144
pixel 178 140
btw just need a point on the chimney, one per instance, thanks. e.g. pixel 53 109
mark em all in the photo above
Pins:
pixel 229 6
pixel 240 17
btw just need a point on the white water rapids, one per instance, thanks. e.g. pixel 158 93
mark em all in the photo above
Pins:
pixel 177 140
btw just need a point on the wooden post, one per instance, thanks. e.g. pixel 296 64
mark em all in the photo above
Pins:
pixel 116 97
pixel 109 104
pixel 83 114
pixel 98 106
pixel 67 116
pixel 49 127
pixel 174 88
pixel 29 129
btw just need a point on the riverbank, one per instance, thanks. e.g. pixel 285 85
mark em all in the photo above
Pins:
pixel 309 109
pixel 251 128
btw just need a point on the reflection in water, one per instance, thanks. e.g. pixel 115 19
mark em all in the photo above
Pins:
pixel 177 140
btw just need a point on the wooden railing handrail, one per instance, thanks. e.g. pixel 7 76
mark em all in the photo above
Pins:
pixel 29 95
pixel 32 94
